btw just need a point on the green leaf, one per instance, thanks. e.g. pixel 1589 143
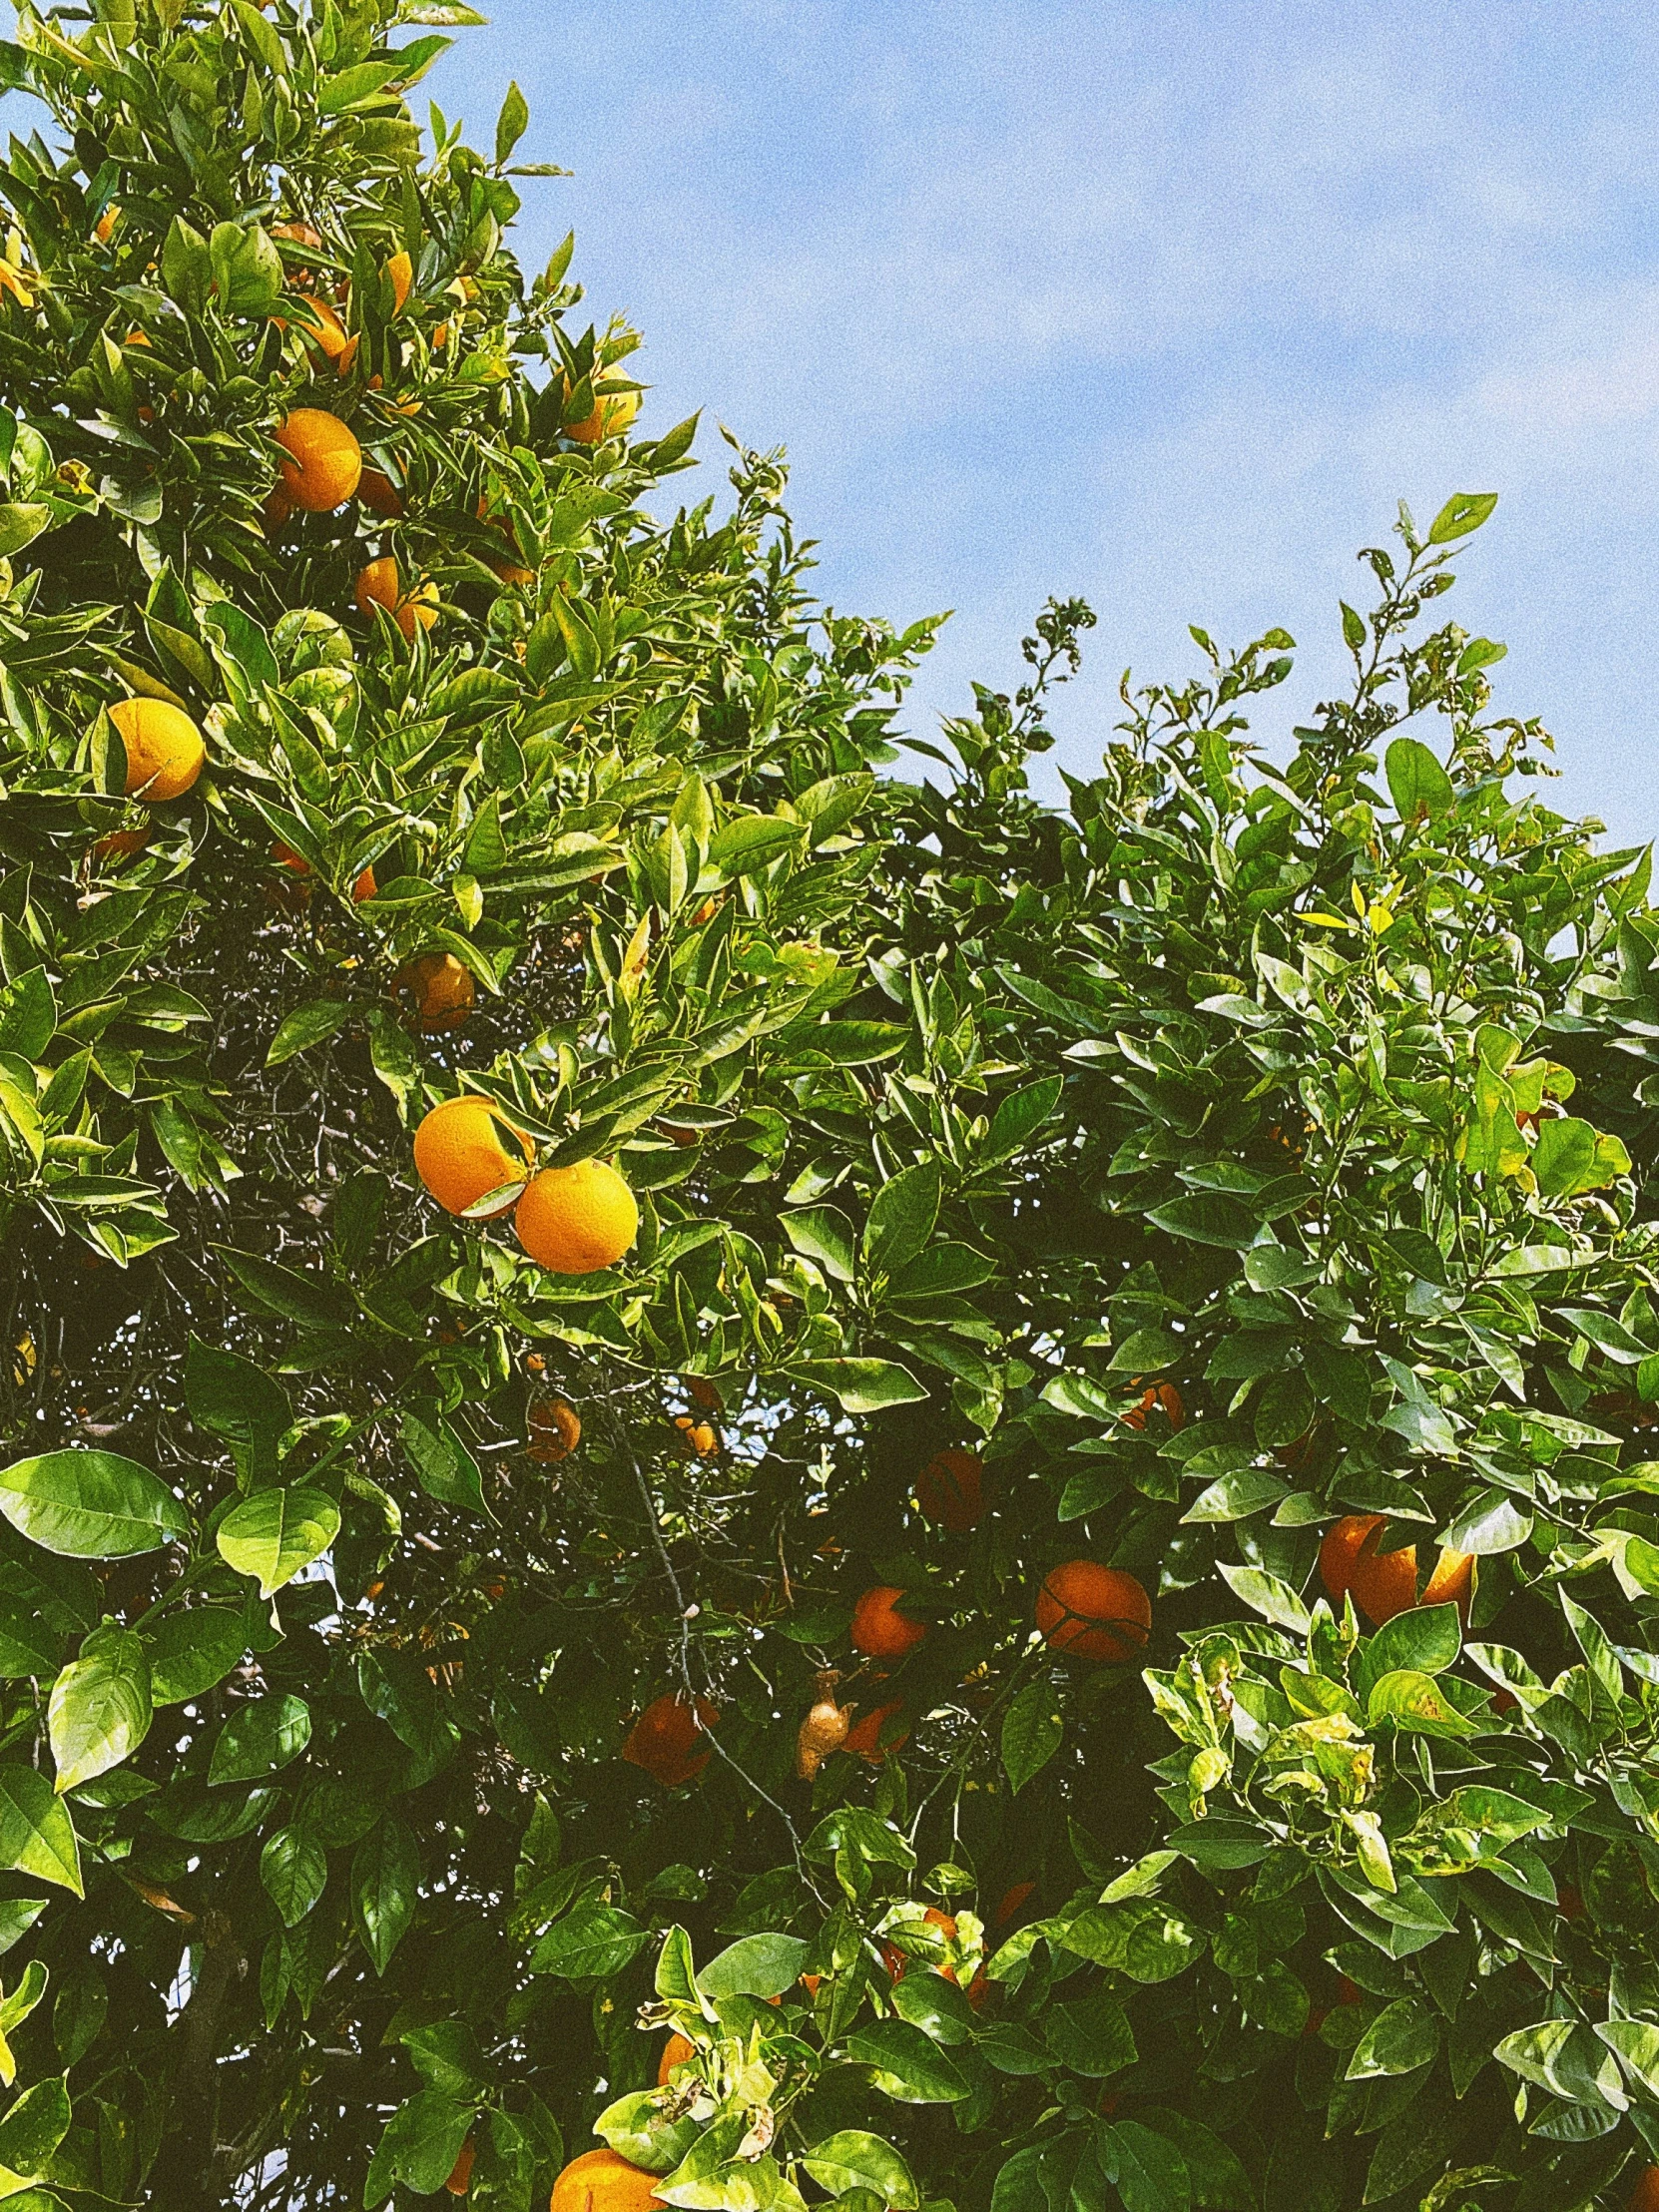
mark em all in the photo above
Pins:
pixel 910 2066
pixel 100 1710
pixel 1464 511
pixel 231 1398
pixel 421 2143
pixel 1142 1937
pixel 1426 1638
pixel 1150 2173
pixel 1418 786
pixel 28 1015
pixel 31 2131
pixel 294 1866
pixel 1019 1116
pixel 1206 1216
pixel 1412 1700
pixel 304 1026
pixel 1215 2174
pixel 90 1505
pixel 510 124
pixel 446 2056
pixel 385 1887
pixel 1567 2059
pixel 1031 1733
pixel 754 1965
pixel 1236 1497
pixel 861 1386
pixel 1091 2035
pixel 901 1217
pixel 37 1836
pixel 260 1738
pixel 191 1651
pixel 443 1465
pixel 275 1535
pixel 1571 1157
pixel 1491 1522
pixel 1403 2036
pixel 592 1939
pixel 1264 1593
pixel 853 2159
pixel 824 1234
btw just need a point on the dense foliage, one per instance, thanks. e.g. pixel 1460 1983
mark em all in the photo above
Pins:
pixel 1207 1229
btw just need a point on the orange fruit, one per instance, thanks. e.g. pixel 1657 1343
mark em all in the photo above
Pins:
pixel 576 1220
pixel 675 2051
pixel 460 1152
pixel 865 1736
pixel 104 229
pixel 436 990
pixel 611 412
pixel 365 885
pixel 699 1436
pixel 664 1740
pixel 1012 1899
pixel 555 1430
pixel 286 856
pixel 377 491
pixel 1645 2196
pixel 380 585
pixel 1163 1395
pixel 324 463
pixel 878 1631
pixel 402 272
pixel 703 1394
pixel 1097 1612
pixel 461 2176
pixel 948 1490
pixel 603 2181
pixel 120 845
pixel 1385 1584
pixel 165 752
pixel 897 1961
pixel 327 331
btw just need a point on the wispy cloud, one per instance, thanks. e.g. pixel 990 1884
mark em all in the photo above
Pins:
pixel 1164 303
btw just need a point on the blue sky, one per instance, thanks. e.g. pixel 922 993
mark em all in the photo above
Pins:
pixel 1164 302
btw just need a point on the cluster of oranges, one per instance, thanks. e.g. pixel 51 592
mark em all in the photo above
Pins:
pixel 572 1220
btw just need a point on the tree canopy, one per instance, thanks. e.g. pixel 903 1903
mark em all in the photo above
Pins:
pixel 864 1489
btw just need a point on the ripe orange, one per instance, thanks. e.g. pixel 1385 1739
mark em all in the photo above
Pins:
pixel 120 845
pixel 1385 1584
pixel 611 412
pixel 675 2051
pixel 104 229
pixel 380 585
pixel 365 885
pixel 436 991
pixel 461 2176
pixel 402 272
pixel 865 1736
pixel 897 1961
pixel 603 2181
pixel 1012 1899
pixel 325 462
pixel 165 752
pixel 576 1220
pixel 555 1430
pixel 460 1152
pixel 377 491
pixel 1166 1398
pixel 286 856
pixel 701 1438
pixel 948 1490
pixel 1645 2196
pixel 510 571
pixel 664 1740
pixel 703 1394
pixel 878 1631
pixel 327 331
pixel 1097 1612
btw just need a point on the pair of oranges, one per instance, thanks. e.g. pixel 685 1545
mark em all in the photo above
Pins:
pixel 572 1221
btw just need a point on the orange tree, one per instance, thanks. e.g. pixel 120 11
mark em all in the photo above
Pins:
pixel 728 1481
